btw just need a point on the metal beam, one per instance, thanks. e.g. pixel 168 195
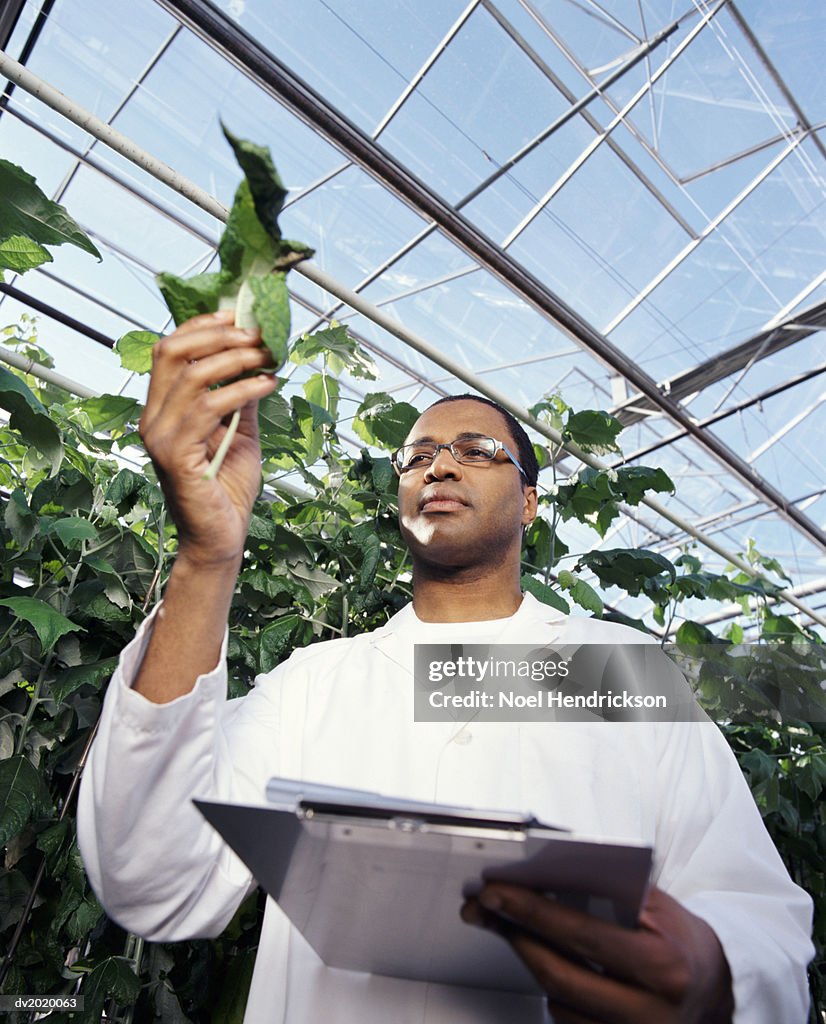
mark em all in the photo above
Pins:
pixel 8 20
pixel 56 314
pixel 723 414
pixel 793 143
pixel 618 151
pixel 163 172
pixel 577 107
pixel 787 93
pixel 246 53
pixel 9 16
pixel 773 338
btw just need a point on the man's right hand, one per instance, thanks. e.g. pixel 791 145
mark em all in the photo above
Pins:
pixel 182 426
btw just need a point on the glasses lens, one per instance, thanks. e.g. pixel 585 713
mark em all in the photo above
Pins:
pixel 411 455
pixel 475 449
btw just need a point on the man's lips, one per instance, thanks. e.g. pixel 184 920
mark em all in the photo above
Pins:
pixel 441 501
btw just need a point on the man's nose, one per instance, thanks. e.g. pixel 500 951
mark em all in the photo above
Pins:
pixel 444 465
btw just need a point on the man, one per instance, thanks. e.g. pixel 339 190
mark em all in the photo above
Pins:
pixel 723 931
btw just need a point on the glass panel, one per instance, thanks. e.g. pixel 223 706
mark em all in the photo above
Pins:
pixel 470 114
pixel 359 55
pixel 600 238
pixel 87 54
pixel 150 238
pixel 175 115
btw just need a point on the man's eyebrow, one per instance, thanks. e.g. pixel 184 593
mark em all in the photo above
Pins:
pixel 466 435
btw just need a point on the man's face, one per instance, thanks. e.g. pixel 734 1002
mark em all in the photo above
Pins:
pixel 459 516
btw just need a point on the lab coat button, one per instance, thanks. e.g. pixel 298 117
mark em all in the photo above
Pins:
pixel 463 738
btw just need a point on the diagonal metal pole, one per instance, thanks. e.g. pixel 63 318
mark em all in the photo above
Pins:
pixel 567 319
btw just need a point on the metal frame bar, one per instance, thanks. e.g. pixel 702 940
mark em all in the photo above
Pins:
pixel 403 183
pixel 747 403
pixel 773 338
pixel 56 314
pixel 9 17
pixel 8 22
pixel 653 153
pixel 586 115
pixel 620 118
pixel 577 106
pixel 710 227
pixel 60 191
pixel 778 435
pixel 788 95
pixel 44 373
pixel 271 74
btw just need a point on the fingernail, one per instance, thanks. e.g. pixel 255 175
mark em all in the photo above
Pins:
pixel 491 900
pixel 471 914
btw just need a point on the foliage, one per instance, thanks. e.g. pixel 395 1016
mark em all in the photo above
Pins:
pixel 29 221
pixel 86 546
pixel 254 258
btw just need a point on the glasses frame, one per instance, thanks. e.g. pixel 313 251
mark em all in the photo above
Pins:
pixel 499 446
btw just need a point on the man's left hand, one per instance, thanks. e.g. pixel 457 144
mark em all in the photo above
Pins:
pixel 671 969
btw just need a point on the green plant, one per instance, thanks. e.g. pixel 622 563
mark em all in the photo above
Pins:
pixel 85 547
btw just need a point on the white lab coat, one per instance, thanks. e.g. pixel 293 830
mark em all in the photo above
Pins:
pixel 341 712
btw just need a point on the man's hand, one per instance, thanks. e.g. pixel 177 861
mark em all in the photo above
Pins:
pixel 182 426
pixel 669 970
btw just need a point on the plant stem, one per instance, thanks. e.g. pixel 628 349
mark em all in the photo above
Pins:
pixel 223 447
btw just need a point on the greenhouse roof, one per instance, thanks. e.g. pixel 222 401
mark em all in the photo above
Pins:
pixel 621 201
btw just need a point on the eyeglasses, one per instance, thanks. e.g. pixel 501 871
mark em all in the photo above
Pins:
pixel 466 450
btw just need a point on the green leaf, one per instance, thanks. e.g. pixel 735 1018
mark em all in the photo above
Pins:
pixel 20 521
pixel 135 350
pixel 313 579
pixel 627 568
pixel 29 417
pixel 340 351
pixel 274 641
pixel 232 1001
pixel 110 412
pixel 73 530
pixel 593 430
pixel 244 239
pixel 370 549
pixel 634 481
pixel 695 633
pixel 581 592
pixel 114 978
pixel 91 673
pixel 780 627
pixel 14 894
pixel 27 211
pixel 126 488
pixel 274 419
pixel 322 390
pixel 272 311
pixel 545 594
pixel 384 422
pixel 49 624
pixel 23 796
pixel 191 296
pixel 51 840
pixel 21 254
pixel 268 193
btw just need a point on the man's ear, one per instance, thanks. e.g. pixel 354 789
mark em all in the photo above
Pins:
pixel 529 505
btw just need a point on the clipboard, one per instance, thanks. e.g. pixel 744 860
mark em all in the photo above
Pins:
pixel 375 884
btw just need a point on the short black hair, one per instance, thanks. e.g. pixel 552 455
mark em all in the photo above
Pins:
pixel 524 448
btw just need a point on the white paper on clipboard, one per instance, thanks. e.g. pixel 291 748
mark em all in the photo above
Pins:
pixel 375 884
